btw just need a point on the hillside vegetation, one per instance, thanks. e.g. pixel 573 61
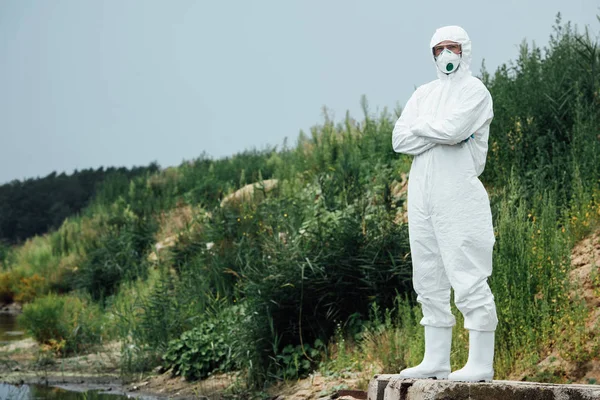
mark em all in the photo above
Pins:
pixel 312 270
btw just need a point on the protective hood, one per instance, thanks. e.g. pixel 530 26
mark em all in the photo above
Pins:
pixel 459 35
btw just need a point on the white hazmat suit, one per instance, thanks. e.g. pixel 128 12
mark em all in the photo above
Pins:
pixel 445 125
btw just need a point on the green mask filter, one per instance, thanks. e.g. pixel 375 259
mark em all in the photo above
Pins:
pixel 447 61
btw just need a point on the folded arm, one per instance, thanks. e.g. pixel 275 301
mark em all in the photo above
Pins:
pixel 403 139
pixel 467 117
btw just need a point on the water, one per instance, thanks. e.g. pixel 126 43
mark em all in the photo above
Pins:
pixel 9 329
pixel 34 392
pixel 9 332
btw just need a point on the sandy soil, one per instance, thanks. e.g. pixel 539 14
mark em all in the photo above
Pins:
pixel 227 386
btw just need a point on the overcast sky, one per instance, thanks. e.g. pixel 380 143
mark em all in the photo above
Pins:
pixel 126 82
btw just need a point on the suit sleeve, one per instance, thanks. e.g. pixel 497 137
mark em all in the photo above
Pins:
pixel 473 112
pixel 403 139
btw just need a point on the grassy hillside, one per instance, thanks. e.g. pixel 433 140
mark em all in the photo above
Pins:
pixel 311 267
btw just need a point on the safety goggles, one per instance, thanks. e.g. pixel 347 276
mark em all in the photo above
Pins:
pixel 453 47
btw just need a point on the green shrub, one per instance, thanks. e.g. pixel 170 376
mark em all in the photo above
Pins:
pixel 206 348
pixel 298 361
pixel 76 321
pixel 119 255
pixel 318 269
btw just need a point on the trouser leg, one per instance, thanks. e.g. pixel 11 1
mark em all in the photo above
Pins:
pixel 467 258
pixel 433 292
pixel 429 276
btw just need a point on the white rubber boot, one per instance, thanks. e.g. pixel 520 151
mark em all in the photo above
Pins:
pixel 436 362
pixel 480 365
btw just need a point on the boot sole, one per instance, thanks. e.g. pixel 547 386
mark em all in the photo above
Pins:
pixel 438 377
pixel 471 380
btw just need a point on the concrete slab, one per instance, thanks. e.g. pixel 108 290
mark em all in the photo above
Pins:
pixel 391 387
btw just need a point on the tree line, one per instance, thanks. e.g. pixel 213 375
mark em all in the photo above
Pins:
pixel 37 205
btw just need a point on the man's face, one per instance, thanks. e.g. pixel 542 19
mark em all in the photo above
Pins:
pixel 449 44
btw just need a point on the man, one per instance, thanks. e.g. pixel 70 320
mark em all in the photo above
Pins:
pixel 445 125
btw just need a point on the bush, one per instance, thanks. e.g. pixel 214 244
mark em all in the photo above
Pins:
pixel 6 288
pixel 53 319
pixel 316 270
pixel 294 362
pixel 21 286
pixel 28 288
pixel 206 348
pixel 120 255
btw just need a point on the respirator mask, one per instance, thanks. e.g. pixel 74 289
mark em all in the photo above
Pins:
pixel 447 61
